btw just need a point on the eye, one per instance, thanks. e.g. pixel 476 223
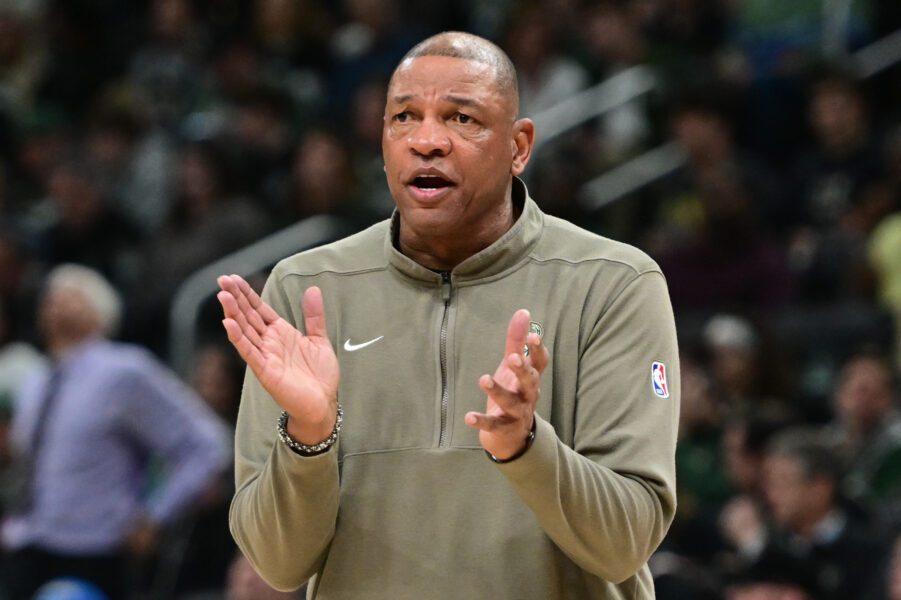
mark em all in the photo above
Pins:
pixel 402 117
pixel 464 119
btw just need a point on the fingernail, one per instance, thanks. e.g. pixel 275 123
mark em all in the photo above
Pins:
pixel 516 360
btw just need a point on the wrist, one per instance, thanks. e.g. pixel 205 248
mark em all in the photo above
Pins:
pixel 308 433
pixel 529 440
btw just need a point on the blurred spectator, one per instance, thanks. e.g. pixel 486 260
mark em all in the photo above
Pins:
pixel 133 159
pixel 366 141
pixel 836 179
pixel 206 222
pixel 292 37
pixel 83 435
pixel 18 284
pixel 701 476
pixel 614 43
pixel 546 76
pixel 367 46
pixel 18 362
pixel 733 346
pixel 22 58
pixel 44 139
pixel 258 136
pixel 322 182
pixel 700 473
pixel 868 430
pixel 167 69
pixel 701 123
pixel 83 227
pixel 745 440
pixel 728 262
pixel 813 541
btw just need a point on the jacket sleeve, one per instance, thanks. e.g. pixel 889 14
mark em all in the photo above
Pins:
pixel 608 500
pixel 285 505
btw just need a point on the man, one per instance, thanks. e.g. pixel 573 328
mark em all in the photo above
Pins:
pixel 84 434
pixel 579 417
pixel 813 543
pixel 868 430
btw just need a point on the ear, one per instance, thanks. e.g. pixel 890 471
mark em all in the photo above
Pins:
pixel 522 144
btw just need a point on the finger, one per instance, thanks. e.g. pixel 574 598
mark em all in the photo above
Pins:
pixel 539 355
pixel 233 311
pixel 485 422
pixel 250 314
pixel 267 312
pixel 250 353
pixel 314 312
pixel 517 331
pixel 527 376
pixel 507 400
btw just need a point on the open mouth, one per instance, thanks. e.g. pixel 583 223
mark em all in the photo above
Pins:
pixel 431 182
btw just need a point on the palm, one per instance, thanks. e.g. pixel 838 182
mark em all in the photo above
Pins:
pixel 299 372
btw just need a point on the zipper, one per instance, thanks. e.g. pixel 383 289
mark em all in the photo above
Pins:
pixel 442 353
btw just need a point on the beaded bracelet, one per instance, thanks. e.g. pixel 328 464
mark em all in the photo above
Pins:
pixel 303 449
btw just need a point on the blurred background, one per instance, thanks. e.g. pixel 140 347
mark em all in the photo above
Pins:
pixel 751 147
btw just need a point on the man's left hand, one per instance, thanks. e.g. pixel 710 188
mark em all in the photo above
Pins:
pixel 512 392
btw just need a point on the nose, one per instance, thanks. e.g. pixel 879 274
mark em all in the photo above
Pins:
pixel 429 139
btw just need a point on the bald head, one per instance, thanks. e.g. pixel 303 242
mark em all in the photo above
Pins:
pixel 456 44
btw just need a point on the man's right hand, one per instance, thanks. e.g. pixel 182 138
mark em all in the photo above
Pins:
pixel 299 371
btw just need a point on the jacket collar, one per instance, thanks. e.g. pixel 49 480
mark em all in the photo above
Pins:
pixel 505 253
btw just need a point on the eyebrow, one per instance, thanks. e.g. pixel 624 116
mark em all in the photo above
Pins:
pixel 459 100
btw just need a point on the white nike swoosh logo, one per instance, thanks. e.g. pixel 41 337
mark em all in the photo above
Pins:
pixel 354 347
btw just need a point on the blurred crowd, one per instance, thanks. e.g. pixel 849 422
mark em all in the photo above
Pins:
pixel 144 139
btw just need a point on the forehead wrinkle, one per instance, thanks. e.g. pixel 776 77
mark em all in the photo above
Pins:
pixel 480 89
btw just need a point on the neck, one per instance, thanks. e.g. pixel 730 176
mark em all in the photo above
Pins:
pixel 443 253
pixel 59 347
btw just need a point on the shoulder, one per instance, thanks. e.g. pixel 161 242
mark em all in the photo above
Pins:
pixel 567 244
pixel 361 252
pixel 124 359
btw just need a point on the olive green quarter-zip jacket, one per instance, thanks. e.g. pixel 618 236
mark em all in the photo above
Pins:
pixel 407 504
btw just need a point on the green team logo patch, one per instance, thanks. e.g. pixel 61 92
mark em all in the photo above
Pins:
pixel 534 327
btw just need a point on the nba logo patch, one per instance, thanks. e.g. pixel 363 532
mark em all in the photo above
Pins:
pixel 658 379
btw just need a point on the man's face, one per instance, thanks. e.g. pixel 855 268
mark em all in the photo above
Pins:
pixel 449 145
pixel 863 396
pixel 64 313
pixel 792 495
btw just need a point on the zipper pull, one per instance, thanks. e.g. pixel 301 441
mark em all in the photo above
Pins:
pixel 446 285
